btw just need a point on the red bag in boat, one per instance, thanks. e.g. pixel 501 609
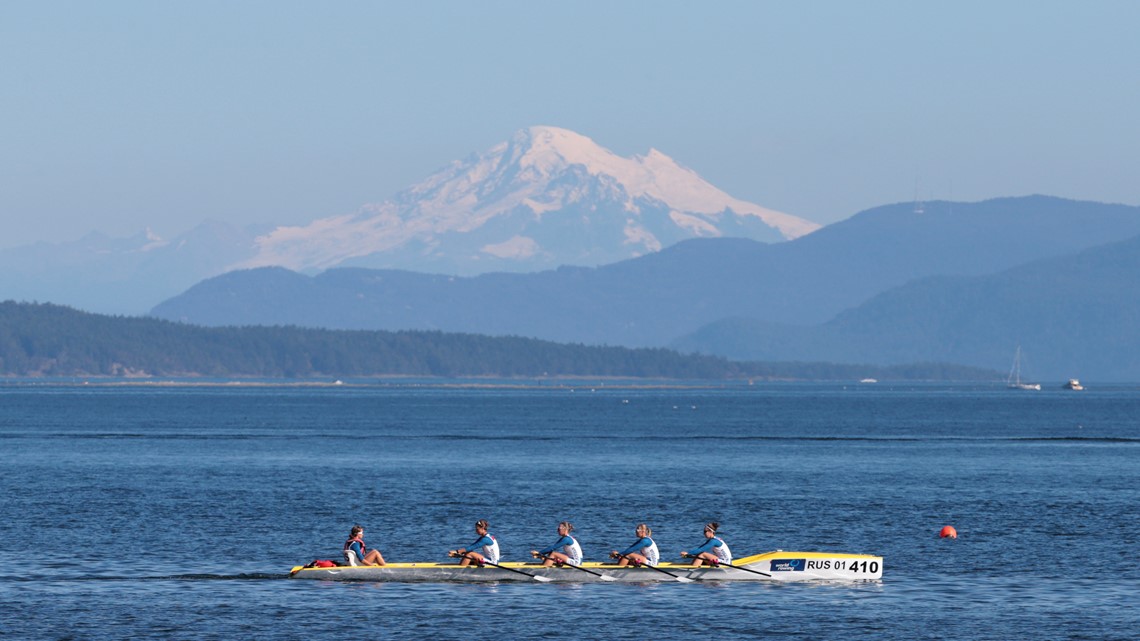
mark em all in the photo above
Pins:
pixel 322 563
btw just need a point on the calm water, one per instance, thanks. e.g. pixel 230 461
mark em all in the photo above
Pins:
pixel 176 512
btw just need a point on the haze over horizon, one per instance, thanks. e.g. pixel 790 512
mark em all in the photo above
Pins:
pixel 125 115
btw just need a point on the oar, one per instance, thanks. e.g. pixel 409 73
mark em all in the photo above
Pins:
pixel 578 567
pixel 540 579
pixel 646 565
pixel 738 567
pixel 735 567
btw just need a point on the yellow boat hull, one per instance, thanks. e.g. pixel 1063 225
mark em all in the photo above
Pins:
pixel 769 566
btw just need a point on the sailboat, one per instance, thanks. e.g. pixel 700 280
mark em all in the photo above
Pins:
pixel 1014 380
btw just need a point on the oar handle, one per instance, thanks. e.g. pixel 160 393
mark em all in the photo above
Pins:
pixel 619 555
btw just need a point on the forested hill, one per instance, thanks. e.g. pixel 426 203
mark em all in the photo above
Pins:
pixel 50 340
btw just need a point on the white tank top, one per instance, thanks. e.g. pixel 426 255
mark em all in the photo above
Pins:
pixel 491 552
pixel 652 556
pixel 722 552
pixel 574 551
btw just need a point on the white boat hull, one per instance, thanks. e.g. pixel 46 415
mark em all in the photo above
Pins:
pixel 770 566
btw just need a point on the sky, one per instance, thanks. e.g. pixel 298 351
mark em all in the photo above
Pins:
pixel 116 116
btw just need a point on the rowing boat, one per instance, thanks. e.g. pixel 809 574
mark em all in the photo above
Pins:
pixel 768 566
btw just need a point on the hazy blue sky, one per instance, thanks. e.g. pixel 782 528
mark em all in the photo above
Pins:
pixel 120 115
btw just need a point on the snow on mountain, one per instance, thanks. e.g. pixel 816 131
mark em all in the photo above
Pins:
pixel 546 197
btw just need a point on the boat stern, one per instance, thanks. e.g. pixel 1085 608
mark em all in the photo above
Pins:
pixel 815 566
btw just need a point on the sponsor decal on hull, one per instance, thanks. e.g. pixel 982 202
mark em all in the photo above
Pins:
pixel 787 565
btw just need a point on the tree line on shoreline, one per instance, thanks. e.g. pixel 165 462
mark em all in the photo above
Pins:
pixel 42 339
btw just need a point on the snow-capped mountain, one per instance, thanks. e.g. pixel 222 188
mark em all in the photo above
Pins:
pixel 546 197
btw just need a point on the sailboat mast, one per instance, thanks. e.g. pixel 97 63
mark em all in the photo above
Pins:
pixel 1015 371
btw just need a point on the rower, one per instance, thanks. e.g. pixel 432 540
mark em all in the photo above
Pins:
pixel 713 551
pixel 486 543
pixel 642 552
pixel 571 552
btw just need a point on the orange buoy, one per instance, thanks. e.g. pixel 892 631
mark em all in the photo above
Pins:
pixel 948 532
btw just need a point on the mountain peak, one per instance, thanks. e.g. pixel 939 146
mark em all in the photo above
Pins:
pixel 555 192
pixel 557 138
pixel 554 146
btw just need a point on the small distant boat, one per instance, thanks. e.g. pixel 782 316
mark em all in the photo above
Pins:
pixel 1014 380
pixel 1074 385
pixel 869 380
